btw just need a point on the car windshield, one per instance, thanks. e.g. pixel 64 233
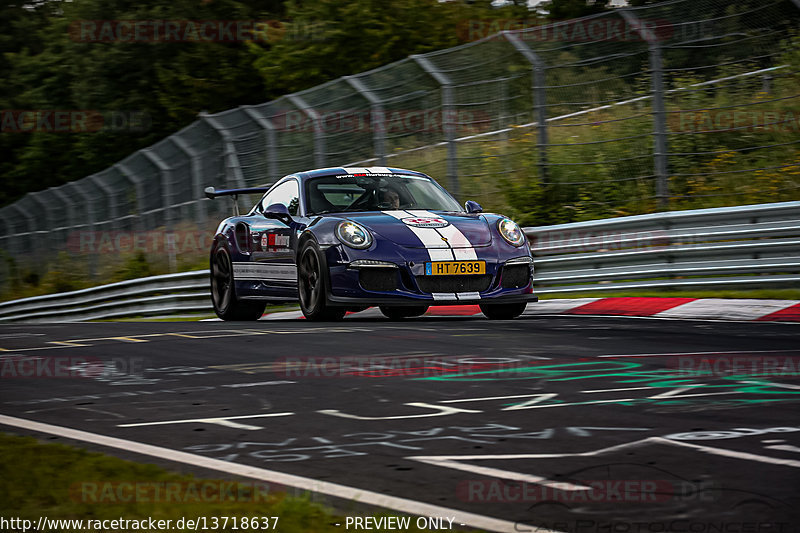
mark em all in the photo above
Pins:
pixel 348 193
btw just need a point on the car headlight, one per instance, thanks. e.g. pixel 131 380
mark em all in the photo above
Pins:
pixel 511 232
pixel 354 235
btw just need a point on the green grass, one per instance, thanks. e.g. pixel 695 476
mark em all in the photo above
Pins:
pixel 39 479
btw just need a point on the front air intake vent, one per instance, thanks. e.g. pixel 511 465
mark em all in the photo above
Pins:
pixel 433 284
pixel 515 276
pixel 378 279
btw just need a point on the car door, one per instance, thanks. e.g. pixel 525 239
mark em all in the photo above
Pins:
pixel 273 246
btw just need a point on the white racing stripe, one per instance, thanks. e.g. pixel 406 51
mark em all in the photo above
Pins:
pixel 456 248
pixel 444 296
pixel 462 248
pixel 356 170
pixel 438 250
pixel 468 295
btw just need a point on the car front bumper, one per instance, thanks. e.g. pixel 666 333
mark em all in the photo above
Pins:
pixel 397 278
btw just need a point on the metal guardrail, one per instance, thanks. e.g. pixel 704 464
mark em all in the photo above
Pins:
pixel 731 247
pixel 745 246
pixel 185 292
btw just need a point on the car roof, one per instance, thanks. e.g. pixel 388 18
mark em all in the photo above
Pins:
pixel 339 171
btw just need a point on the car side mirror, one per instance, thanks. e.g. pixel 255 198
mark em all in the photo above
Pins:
pixel 473 207
pixel 278 212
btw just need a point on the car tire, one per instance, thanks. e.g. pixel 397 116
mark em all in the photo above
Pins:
pixel 312 284
pixel 399 313
pixel 223 291
pixel 503 311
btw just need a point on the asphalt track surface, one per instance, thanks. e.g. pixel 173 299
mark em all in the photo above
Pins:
pixel 511 420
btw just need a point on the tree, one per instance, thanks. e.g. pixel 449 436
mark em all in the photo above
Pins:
pixel 326 39
pixel 570 9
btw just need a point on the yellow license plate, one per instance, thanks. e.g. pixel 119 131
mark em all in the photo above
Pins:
pixel 451 268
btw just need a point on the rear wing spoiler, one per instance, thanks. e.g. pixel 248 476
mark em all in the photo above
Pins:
pixel 212 193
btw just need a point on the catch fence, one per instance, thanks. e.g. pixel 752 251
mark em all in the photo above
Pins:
pixel 677 105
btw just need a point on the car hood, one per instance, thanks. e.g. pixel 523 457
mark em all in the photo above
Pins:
pixel 426 229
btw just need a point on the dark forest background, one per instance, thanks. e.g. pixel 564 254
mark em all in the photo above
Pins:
pixel 43 67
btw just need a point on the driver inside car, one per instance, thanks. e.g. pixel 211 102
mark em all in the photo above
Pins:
pixel 390 199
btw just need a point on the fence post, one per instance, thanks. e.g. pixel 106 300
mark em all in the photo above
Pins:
pixel 8 234
pixel 233 170
pixel 660 161
pixel 539 88
pixel 139 185
pixel 166 197
pixel 46 211
pixel 319 139
pixel 91 222
pixel 30 227
pixel 88 202
pixel 447 120
pixel 113 212
pixel 68 205
pixel 68 208
pixel 270 140
pixel 36 243
pixel 197 177
pixel 377 119
pixel 165 171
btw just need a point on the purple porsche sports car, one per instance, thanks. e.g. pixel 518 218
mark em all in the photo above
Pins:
pixel 344 239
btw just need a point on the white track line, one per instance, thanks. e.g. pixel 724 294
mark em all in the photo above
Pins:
pixel 323 487
pixel 721 353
